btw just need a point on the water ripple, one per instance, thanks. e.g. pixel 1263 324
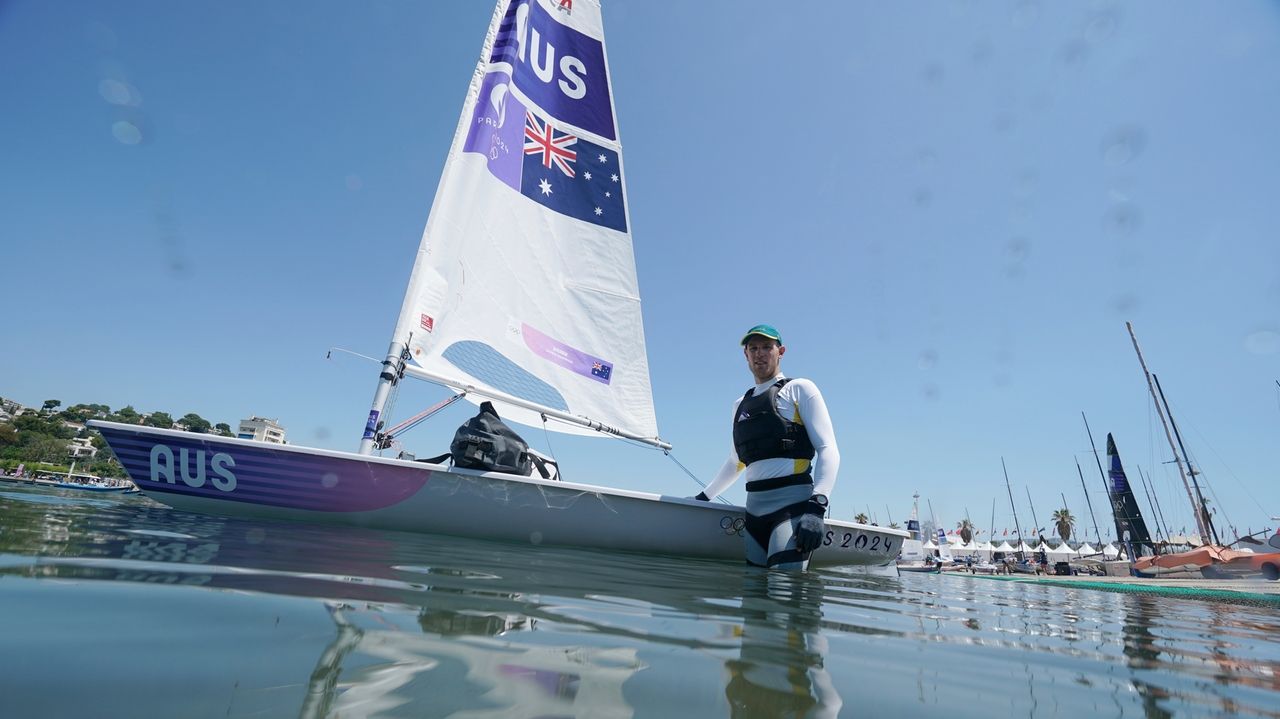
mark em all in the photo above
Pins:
pixel 273 618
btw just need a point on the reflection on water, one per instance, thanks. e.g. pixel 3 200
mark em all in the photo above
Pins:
pixel 121 607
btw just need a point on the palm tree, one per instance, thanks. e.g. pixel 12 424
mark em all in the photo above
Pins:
pixel 860 518
pixel 1063 520
pixel 966 530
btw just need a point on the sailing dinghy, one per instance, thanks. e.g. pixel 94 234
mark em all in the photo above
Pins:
pixel 523 293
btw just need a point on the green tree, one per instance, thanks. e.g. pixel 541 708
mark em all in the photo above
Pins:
pixel 50 405
pixel 894 525
pixel 966 530
pixel 861 518
pixel 8 435
pixel 128 415
pixel 195 423
pixel 160 419
pixel 38 425
pixel 1064 522
pixel 224 429
pixel 46 448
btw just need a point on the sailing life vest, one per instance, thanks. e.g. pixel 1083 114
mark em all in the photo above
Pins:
pixel 761 432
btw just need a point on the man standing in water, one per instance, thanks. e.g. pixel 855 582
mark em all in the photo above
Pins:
pixel 782 438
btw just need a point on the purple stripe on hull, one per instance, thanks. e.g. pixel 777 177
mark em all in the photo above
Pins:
pixel 260 475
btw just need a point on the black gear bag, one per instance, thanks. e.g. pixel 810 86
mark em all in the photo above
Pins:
pixel 484 442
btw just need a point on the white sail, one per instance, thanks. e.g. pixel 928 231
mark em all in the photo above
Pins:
pixel 525 280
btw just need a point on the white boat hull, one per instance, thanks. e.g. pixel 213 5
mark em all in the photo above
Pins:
pixel 227 476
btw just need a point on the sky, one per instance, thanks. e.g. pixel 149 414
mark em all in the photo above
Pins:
pixel 949 210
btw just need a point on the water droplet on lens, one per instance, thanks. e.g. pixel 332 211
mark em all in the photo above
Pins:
pixel 1101 27
pixel 1025 14
pixel 329 480
pixel 535 537
pixel 1016 252
pixel 1074 53
pixel 1124 218
pixel 126 133
pixel 1123 145
pixel 1124 304
pixel 1263 342
pixel 116 92
pixel 928 360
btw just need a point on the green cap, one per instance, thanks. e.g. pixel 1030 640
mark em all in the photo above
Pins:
pixel 768 331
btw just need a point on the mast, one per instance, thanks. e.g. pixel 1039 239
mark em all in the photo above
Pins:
pixel 1033 511
pixel 1195 484
pixel 389 377
pixel 1195 507
pixel 1152 503
pixel 913 524
pixel 1088 501
pixel 1106 487
pixel 993 520
pixel 1017 526
pixel 1155 499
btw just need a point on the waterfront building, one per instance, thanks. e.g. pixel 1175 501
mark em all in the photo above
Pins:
pixel 261 429
pixel 82 448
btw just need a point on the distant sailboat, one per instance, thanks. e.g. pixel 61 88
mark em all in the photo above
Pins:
pixel 1131 528
pixel 1211 560
pixel 523 293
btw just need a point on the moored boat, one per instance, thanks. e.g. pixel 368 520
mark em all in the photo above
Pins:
pixel 1211 560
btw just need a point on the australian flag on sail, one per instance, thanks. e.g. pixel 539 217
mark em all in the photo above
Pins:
pixel 570 175
pixel 534 156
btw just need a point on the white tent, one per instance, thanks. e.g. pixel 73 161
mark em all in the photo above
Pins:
pixel 1005 547
pixel 1023 548
pixel 1061 553
pixel 1086 549
pixel 930 544
pixel 983 550
pixel 1110 552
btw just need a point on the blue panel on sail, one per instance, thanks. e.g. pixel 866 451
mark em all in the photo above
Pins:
pixel 489 366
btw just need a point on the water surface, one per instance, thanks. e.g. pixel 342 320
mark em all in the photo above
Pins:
pixel 117 606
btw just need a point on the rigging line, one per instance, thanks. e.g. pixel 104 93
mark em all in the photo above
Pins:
pixel 418 418
pixel 1205 441
pixel 640 445
pixel 550 449
pixel 702 484
pixel 327 355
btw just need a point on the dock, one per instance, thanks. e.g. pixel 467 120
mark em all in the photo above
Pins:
pixel 1246 591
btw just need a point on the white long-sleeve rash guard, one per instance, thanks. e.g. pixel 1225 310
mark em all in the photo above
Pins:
pixel 800 400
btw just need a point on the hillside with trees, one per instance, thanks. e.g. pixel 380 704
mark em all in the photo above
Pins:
pixel 41 438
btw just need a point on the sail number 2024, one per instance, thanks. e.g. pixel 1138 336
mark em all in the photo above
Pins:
pixel 874 543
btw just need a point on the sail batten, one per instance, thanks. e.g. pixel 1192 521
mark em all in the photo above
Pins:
pixel 524 285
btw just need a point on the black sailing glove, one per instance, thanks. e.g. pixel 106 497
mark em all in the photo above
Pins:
pixel 811 528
